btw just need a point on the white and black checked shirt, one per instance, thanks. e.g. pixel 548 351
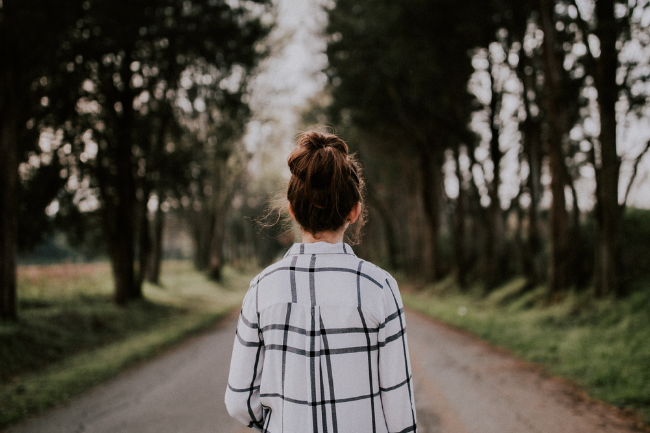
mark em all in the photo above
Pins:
pixel 321 347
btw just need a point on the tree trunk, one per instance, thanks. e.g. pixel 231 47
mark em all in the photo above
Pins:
pixel 608 210
pixel 412 227
pixel 120 230
pixel 154 167
pixel 8 187
pixel 391 238
pixel 216 248
pixel 495 235
pixel 532 257
pixel 534 266
pixel 431 160
pixel 155 255
pixel 519 243
pixel 202 228
pixel 555 114
pixel 558 270
pixel 118 189
pixel 144 236
pixel 480 219
pixel 459 227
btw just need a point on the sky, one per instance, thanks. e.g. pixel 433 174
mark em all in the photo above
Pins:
pixel 285 83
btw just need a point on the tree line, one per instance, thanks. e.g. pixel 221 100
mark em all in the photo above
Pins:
pixel 492 134
pixel 111 111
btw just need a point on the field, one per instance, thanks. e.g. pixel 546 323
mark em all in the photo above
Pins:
pixel 71 336
pixel 601 345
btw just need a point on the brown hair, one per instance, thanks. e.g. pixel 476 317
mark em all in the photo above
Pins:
pixel 325 184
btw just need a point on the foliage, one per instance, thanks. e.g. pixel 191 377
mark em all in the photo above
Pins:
pixel 489 134
pixel 634 249
pixel 71 337
pixel 136 95
pixel 599 344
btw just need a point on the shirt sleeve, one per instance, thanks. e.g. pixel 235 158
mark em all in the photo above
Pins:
pixel 243 392
pixel 395 380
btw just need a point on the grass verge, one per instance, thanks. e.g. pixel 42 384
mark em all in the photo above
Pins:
pixel 602 345
pixel 71 337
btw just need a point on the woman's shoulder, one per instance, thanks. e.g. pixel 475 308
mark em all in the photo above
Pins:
pixel 345 262
pixel 281 265
pixel 371 268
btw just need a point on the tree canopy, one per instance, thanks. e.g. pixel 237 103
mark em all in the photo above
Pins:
pixel 481 124
pixel 128 97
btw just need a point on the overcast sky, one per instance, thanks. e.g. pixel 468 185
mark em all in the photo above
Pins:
pixel 286 81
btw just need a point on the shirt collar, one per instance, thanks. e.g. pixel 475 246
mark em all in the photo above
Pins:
pixel 319 248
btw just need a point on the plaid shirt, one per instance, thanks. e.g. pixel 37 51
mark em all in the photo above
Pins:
pixel 321 347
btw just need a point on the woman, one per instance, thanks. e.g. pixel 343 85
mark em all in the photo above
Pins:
pixel 321 343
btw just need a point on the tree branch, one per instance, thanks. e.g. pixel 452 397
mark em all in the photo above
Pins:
pixel 634 173
pixel 584 28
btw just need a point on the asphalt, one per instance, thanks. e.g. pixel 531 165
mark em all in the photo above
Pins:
pixel 181 391
pixel 462 385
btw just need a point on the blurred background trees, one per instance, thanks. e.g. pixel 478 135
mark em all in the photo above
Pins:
pixel 133 103
pixel 30 35
pixel 499 138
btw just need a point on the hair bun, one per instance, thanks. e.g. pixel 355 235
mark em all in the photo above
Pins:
pixel 316 141
pixel 320 159
pixel 326 182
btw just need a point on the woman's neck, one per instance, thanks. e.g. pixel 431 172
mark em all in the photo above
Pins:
pixel 332 237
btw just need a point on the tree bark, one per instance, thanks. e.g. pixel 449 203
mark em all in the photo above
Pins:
pixel 119 214
pixel 558 269
pixel 144 235
pixel 431 160
pixel 532 257
pixel 202 229
pixel 495 235
pixel 459 227
pixel 155 254
pixel 154 180
pixel 385 215
pixel 413 224
pixel 117 184
pixel 216 248
pixel 8 185
pixel 534 266
pixel 480 220
pixel 559 272
pixel 608 210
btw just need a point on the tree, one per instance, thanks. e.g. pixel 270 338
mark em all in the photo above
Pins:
pixel 218 179
pixel 408 96
pixel 614 81
pixel 558 117
pixel 30 34
pixel 574 71
pixel 532 259
pixel 608 211
pixel 127 62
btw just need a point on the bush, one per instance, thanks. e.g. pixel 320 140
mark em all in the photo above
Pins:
pixel 634 247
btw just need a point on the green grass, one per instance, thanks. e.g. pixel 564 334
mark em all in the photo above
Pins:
pixel 71 336
pixel 602 345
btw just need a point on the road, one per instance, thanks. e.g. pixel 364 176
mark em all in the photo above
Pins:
pixel 462 386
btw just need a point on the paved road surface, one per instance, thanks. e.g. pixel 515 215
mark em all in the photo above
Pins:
pixel 465 386
pixel 462 386
pixel 181 391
